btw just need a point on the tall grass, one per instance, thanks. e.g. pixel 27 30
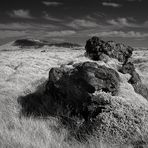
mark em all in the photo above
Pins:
pixel 123 123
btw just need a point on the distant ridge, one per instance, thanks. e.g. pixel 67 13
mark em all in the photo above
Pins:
pixel 40 43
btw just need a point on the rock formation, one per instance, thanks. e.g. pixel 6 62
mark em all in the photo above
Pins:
pixel 84 97
pixel 95 48
pixel 74 88
pixel 135 79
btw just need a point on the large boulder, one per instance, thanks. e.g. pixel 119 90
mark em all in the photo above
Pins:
pixel 95 48
pixel 127 68
pixel 73 88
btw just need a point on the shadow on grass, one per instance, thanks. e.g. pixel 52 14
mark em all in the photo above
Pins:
pixel 40 104
pixel 36 104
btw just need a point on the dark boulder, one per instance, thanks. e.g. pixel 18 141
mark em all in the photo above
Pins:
pixel 135 79
pixel 73 88
pixel 127 68
pixel 139 87
pixel 95 47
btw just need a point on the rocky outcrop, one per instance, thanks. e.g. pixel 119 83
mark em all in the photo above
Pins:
pixel 75 94
pixel 74 88
pixel 135 79
pixel 127 68
pixel 96 48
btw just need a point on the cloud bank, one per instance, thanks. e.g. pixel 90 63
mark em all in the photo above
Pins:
pixel 122 34
pixel 110 4
pixel 46 3
pixel 20 13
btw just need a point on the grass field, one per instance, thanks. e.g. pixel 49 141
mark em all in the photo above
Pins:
pixel 22 71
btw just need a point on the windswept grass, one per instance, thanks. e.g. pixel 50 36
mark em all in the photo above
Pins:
pixel 123 123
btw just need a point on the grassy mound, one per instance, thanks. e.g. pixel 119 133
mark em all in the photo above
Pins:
pixel 122 122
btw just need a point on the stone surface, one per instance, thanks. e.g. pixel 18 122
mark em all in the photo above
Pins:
pixel 127 68
pixel 74 88
pixel 135 79
pixel 95 47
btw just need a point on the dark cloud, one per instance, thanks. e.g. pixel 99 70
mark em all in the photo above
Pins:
pixel 51 18
pixel 74 20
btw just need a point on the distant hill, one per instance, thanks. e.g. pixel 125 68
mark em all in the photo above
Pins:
pixel 23 43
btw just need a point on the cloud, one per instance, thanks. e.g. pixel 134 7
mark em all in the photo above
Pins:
pixel 8 33
pixel 60 33
pixel 50 18
pixel 110 4
pixel 34 30
pixel 51 3
pixel 121 22
pixel 124 22
pixel 82 23
pixel 24 26
pixel 35 33
pixel 129 34
pixel 131 0
pixel 57 39
pixel 146 24
pixel 20 13
pixel 15 26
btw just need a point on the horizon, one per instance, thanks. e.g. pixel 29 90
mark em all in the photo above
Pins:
pixel 81 44
pixel 75 21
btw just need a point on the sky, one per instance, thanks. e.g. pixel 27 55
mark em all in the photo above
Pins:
pixel 75 21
